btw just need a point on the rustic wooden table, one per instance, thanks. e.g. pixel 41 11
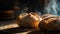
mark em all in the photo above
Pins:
pixel 12 27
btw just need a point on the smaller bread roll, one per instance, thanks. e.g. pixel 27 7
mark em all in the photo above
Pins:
pixel 50 24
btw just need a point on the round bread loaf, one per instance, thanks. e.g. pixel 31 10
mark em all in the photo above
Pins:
pixel 29 20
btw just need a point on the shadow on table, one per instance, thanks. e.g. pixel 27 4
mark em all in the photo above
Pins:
pixel 45 32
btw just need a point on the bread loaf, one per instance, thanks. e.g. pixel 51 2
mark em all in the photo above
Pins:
pixel 50 24
pixel 29 20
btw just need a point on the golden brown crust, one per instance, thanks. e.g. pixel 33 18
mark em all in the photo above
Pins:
pixel 30 20
pixel 52 23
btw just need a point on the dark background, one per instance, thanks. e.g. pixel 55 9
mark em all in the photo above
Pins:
pixel 8 4
pixel 31 4
pixel 11 4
